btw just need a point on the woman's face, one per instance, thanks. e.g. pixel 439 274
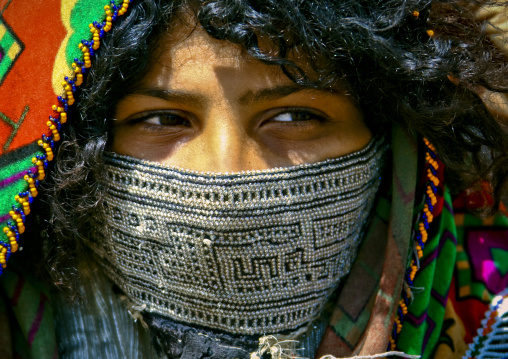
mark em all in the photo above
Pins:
pixel 205 106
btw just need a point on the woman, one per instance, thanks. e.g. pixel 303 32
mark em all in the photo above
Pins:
pixel 241 177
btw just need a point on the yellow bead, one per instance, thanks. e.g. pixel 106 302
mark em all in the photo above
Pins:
pixel 79 79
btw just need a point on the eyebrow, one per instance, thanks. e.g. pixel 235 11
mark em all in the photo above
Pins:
pixel 270 93
pixel 194 99
pixel 182 97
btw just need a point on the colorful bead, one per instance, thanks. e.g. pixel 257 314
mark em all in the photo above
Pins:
pixel 16 225
pixel 421 236
pixel 490 341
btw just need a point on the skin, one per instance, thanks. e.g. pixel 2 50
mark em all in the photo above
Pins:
pixel 205 106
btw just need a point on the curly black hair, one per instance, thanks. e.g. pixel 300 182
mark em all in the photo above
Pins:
pixel 397 70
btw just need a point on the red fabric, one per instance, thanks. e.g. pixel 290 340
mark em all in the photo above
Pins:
pixel 471 311
pixel 29 80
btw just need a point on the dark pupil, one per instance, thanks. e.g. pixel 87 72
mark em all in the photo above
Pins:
pixel 171 120
pixel 301 116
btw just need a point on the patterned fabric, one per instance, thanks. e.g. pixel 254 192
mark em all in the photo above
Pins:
pixel 27 306
pixel 264 249
pixel 363 318
pixel 444 316
pixel 23 58
pixel 491 339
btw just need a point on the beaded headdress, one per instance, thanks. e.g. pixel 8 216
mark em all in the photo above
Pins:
pixel 26 153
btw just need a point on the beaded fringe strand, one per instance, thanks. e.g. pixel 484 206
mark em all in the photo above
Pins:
pixel 16 225
pixel 421 235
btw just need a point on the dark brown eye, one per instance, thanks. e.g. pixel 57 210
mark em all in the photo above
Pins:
pixel 295 116
pixel 166 119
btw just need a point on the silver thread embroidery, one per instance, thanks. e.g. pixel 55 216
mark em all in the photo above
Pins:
pixel 248 253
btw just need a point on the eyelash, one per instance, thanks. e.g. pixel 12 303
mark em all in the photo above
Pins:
pixel 145 116
pixel 309 114
pixel 272 115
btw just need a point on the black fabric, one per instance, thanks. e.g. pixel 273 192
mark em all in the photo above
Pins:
pixel 19 154
pixel 178 341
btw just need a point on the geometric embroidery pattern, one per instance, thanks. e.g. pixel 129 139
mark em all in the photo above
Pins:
pixel 491 251
pixel 252 253
pixel 14 125
pixel 484 274
pixel 10 49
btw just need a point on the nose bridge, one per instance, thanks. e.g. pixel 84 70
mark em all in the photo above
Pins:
pixel 225 141
pixel 227 145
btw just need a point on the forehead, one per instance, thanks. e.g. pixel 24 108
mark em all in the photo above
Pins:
pixel 185 53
